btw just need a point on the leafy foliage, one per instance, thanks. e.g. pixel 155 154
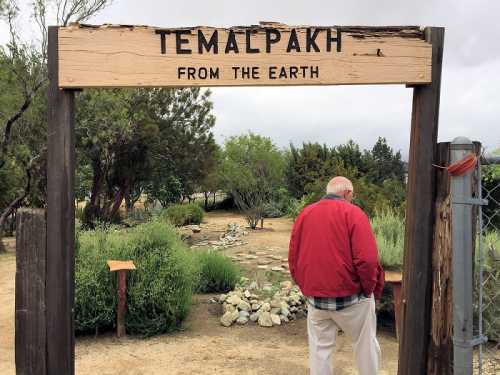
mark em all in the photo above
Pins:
pixel 184 214
pixel 389 230
pixel 218 274
pixel 158 292
pixel 251 170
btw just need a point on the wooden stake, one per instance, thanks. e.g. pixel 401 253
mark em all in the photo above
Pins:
pixel 417 274
pixel 122 297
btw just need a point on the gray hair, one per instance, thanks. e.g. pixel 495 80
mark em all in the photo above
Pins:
pixel 337 188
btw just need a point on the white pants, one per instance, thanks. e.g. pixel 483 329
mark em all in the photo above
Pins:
pixel 359 322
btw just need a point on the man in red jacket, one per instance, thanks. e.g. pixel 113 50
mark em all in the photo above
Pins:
pixel 333 258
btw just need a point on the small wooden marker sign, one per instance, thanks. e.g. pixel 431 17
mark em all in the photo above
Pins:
pixel 258 55
pixel 121 267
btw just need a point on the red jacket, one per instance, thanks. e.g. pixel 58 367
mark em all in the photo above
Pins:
pixel 333 252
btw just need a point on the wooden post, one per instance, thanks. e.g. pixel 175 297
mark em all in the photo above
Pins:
pixel 30 292
pixel 440 358
pixel 60 284
pixel 122 303
pixel 121 267
pixel 417 276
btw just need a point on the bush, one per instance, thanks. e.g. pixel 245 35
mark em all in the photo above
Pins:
pixel 389 230
pixel 217 273
pixel 280 204
pixel 491 277
pixel 158 292
pixel 184 214
pixel 297 205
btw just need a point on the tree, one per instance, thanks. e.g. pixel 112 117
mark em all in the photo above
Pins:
pixel 384 163
pixel 142 141
pixel 23 73
pixel 310 168
pixel 252 168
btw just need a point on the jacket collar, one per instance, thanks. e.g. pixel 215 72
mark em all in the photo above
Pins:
pixel 333 197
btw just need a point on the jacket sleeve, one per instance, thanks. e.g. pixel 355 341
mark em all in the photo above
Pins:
pixel 365 254
pixel 293 248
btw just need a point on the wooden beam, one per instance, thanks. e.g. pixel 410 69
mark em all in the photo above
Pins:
pixel 266 54
pixel 30 292
pixel 60 284
pixel 417 274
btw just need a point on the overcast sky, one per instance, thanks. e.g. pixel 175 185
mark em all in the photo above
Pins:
pixel 470 94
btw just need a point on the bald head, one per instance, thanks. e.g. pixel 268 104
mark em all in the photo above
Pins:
pixel 340 186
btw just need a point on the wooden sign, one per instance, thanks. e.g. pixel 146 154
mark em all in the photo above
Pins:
pixel 268 54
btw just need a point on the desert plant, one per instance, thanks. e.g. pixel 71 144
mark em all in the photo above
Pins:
pixel 158 292
pixel 184 214
pixel 389 230
pixel 217 273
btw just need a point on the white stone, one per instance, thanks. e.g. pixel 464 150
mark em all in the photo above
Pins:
pixel 277 269
pixel 265 307
pixel 222 298
pixel 275 319
pixel 247 294
pixel 229 318
pixel 228 308
pixel 265 319
pixel 244 306
pixel 262 267
pixel 255 316
pixel 233 300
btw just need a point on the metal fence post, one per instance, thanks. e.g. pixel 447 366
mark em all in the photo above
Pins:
pixel 461 190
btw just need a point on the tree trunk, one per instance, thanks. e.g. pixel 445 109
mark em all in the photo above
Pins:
pixel 214 199
pixel 206 194
pixel 116 205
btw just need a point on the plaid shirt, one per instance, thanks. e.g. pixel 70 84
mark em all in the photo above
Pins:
pixel 335 303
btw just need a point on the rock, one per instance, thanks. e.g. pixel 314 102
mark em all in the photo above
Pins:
pixel 267 288
pixel 285 312
pixel 247 294
pixel 277 269
pixel 244 306
pixel 233 300
pixel 262 267
pixel 284 319
pixel 244 314
pixel 196 229
pixel 265 307
pixel 265 319
pixel 275 319
pixel 253 285
pixel 286 284
pixel 255 306
pixel 275 310
pixel 251 256
pixel 276 303
pixel 255 316
pixel 228 308
pixel 222 298
pixel 242 321
pixel 229 318
pixel 264 261
pixel 284 260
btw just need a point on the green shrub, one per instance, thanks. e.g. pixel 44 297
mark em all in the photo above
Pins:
pixel 158 292
pixel 297 205
pixel 491 280
pixel 280 204
pixel 389 230
pixel 184 214
pixel 217 273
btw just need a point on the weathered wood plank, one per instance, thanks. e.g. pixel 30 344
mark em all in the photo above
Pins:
pixel 417 274
pixel 135 56
pixel 60 284
pixel 30 292
pixel 440 358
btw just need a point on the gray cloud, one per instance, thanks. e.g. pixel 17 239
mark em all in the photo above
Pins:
pixel 470 94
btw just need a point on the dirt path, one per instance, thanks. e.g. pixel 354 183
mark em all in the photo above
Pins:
pixel 204 347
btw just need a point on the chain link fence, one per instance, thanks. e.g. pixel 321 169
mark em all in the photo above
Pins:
pixel 487 269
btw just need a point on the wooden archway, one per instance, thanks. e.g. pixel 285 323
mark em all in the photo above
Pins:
pixel 267 54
